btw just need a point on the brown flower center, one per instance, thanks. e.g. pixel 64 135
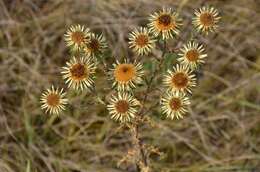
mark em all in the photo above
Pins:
pixel 124 72
pixel 192 55
pixel 122 106
pixel 77 37
pixel 93 45
pixel 165 20
pixel 175 104
pixel 78 72
pixel 141 40
pixel 180 80
pixel 207 19
pixel 53 99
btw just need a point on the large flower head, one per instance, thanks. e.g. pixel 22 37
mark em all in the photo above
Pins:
pixel 126 75
pixel 206 19
pixel 123 107
pixel 78 73
pixel 76 37
pixel 53 100
pixel 95 46
pixel 165 23
pixel 141 41
pixel 192 55
pixel 174 104
pixel 180 79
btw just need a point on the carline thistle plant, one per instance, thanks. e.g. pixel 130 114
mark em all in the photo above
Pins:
pixel 176 84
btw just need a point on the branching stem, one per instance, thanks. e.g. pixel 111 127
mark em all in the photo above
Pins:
pixel 139 144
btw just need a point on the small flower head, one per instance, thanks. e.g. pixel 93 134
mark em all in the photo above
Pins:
pixel 180 79
pixel 141 41
pixel 95 46
pixel 78 73
pixel 53 100
pixel 123 107
pixel 192 55
pixel 166 23
pixel 174 104
pixel 76 37
pixel 126 75
pixel 206 19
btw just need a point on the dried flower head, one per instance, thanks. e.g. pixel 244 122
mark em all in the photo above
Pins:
pixel 126 75
pixel 174 104
pixel 166 23
pixel 192 55
pixel 180 79
pixel 95 46
pixel 123 107
pixel 141 41
pixel 79 73
pixel 76 37
pixel 53 100
pixel 206 19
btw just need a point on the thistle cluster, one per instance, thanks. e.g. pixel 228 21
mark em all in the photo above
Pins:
pixel 175 85
pixel 125 76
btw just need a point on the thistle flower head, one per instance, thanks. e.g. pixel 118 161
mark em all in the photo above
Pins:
pixel 141 41
pixel 126 75
pixel 165 23
pixel 95 46
pixel 174 104
pixel 206 19
pixel 53 100
pixel 76 37
pixel 192 55
pixel 122 107
pixel 78 73
pixel 180 79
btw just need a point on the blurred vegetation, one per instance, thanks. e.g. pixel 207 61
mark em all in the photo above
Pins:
pixel 221 132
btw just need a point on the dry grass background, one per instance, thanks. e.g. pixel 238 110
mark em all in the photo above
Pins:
pixel 221 132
